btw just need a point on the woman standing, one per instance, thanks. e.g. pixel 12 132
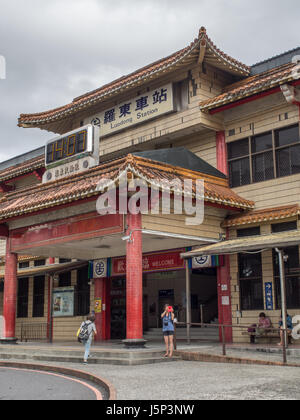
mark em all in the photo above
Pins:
pixel 168 329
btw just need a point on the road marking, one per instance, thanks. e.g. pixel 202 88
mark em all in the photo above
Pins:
pixel 98 394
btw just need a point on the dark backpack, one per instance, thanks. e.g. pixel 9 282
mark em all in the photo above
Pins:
pixel 84 334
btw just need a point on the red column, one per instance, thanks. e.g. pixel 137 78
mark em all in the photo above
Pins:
pixel 222 164
pixel 134 282
pixel 101 322
pixel 224 298
pixel 10 295
pixel 49 317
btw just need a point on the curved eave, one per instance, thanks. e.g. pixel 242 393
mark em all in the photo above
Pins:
pixel 183 58
pixel 58 193
pixel 244 93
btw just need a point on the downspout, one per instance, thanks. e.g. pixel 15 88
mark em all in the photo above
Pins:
pixel 283 294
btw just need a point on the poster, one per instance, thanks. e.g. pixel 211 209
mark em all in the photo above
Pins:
pixel 63 302
pixel 98 306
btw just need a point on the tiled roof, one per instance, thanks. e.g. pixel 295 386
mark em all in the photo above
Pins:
pixel 78 187
pixel 250 86
pixel 22 168
pixel 266 215
pixel 182 57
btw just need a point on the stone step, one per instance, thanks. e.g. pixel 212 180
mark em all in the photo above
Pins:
pixel 93 360
pixel 105 354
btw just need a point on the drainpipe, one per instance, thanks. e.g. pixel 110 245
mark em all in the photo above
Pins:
pixel 283 294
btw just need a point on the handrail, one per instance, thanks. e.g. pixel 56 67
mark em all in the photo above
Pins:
pixel 222 328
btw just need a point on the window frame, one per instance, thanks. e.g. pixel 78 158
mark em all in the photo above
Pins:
pixel 242 233
pixel 250 155
pixel 38 308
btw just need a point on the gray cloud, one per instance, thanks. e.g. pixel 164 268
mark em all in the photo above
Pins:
pixel 60 49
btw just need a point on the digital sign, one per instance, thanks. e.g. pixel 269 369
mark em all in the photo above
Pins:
pixel 67 147
pixel 72 153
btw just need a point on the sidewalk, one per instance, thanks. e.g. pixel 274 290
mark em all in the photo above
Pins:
pixel 109 351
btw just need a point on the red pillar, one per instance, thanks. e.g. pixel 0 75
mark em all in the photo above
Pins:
pixel 224 298
pixel 224 283
pixel 222 164
pixel 10 295
pixel 101 321
pixel 134 282
pixel 50 291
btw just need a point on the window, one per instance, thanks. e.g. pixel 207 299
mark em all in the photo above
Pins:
pixel 287 142
pixel 39 263
pixel 38 297
pixel 65 280
pixel 274 154
pixel 239 163
pixel 284 227
pixel 250 276
pixel 22 304
pixel 23 265
pixel 262 158
pixel 292 271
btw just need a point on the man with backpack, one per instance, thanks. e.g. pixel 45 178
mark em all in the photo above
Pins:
pixel 85 336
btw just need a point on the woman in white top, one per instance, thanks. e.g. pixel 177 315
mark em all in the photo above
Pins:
pixel 91 330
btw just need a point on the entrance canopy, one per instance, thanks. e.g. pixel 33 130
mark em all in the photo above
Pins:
pixel 248 244
pixel 50 269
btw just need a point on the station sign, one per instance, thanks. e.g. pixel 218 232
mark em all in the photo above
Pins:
pixel 140 109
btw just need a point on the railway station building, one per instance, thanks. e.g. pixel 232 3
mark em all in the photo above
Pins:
pixel 196 115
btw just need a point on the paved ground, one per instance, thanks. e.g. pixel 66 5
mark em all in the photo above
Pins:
pixel 198 381
pixel 180 380
pixel 18 384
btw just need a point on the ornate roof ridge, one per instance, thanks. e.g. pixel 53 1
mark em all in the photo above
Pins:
pixel 134 79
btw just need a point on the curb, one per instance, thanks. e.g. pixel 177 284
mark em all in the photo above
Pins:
pixel 109 388
pixel 203 357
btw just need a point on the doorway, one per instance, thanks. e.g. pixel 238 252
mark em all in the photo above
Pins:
pixel 118 308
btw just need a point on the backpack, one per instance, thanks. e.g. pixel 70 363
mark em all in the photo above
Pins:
pixel 84 334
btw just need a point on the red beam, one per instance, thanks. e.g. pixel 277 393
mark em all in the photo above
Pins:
pixel 77 228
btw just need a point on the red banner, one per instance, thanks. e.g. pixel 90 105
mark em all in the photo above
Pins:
pixel 169 260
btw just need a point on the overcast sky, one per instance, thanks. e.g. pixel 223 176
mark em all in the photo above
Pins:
pixel 59 49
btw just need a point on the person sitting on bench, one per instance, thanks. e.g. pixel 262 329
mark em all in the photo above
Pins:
pixel 264 324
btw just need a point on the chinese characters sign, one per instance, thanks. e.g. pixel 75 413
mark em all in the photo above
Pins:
pixel 151 263
pixel 145 107
pixel 269 296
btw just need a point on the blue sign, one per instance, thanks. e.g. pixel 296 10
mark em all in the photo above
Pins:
pixel 269 296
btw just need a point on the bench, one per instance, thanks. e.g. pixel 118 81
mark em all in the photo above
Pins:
pixel 268 334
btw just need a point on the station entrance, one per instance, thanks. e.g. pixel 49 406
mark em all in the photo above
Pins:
pixel 166 287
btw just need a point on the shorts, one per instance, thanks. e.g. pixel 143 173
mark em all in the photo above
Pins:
pixel 168 333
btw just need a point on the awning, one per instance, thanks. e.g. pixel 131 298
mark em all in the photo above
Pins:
pixel 248 244
pixel 49 269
